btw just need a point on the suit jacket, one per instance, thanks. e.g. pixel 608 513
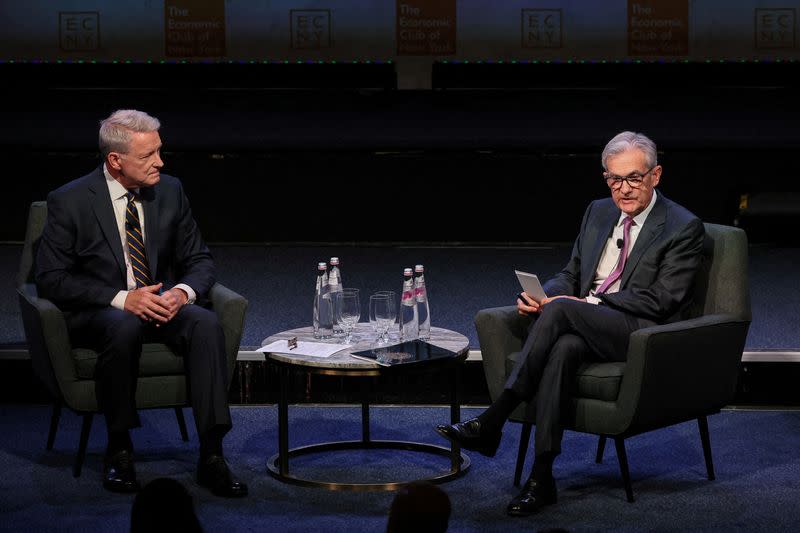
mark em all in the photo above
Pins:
pixel 80 263
pixel 659 274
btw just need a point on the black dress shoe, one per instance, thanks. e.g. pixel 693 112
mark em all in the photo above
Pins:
pixel 213 473
pixel 469 435
pixel 533 497
pixel 118 472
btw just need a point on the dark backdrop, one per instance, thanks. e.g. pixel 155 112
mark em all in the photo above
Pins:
pixel 335 153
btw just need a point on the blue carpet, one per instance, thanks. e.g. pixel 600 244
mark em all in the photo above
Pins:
pixel 755 454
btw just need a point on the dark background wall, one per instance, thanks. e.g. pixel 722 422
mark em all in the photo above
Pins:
pixel 493 153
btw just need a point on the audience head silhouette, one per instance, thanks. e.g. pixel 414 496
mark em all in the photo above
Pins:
pixel 164 505
pixel 419 507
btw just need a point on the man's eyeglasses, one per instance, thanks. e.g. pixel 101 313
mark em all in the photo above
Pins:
pixel 634 179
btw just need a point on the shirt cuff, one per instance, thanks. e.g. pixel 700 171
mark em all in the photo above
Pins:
pixel 119 300
pixel 594 300
pixel 188 290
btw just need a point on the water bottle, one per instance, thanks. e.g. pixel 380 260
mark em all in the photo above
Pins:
pixel 323 305
pixel 335 285
pixel 423 306
pixel 409 320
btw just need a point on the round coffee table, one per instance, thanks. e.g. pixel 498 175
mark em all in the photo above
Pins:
pixel 343 364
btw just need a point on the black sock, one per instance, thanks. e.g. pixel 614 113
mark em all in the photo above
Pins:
pixel 496 415
pixel 211 443
pixel 543 466
pixel 118 441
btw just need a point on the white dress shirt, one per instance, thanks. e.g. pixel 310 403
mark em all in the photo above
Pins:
pixel 610 255
pixel 119 202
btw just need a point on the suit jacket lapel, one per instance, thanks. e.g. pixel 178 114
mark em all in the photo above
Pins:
pixel 104 211
pixel 605 226
pixel 150 205
pixel 652 228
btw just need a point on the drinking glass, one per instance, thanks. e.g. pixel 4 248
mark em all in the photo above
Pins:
pixel 348 310
pixel 375 296
pixel 385 315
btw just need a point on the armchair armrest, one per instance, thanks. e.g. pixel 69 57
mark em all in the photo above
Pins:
pixel 501 331
pixel 682 370
pixel 48 340
pixel 230 308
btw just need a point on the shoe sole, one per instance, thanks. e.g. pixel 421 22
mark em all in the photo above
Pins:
pixel 482 451
pixel 520 513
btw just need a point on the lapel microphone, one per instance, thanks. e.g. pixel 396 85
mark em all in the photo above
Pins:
pixel 620 242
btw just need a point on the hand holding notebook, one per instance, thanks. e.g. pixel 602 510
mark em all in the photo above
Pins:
pixel 531 286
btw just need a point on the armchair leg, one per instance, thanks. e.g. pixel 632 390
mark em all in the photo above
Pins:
pixel 86 427
pixel 524 441
pixel 702 423
pixel 601 447
pixel 623 467
pixel 54 418
pixel 182 424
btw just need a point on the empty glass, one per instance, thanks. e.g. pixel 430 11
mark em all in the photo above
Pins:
pixel 348 311
pixel 382 306
pixel 372 321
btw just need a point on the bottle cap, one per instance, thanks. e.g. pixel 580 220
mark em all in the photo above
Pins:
pixel 407 271
pixel 334 260
pixel 322 266
pixel 419 268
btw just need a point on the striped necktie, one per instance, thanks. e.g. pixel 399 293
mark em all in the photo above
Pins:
pixel 623 257
pixel 133 229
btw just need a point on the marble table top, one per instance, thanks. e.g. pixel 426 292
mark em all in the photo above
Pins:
pixel 365 337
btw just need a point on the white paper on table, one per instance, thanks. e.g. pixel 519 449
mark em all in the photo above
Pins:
pixel 309 348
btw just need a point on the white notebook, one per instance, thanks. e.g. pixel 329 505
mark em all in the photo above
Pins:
pixel 531 286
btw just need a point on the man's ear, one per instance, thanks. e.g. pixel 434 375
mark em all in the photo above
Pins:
pixel 113 160
pixel 656 175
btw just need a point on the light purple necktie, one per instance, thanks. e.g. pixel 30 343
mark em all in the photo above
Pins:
pixel 623 256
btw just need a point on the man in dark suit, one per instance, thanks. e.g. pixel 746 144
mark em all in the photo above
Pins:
pixel 122 256
pixel 632 266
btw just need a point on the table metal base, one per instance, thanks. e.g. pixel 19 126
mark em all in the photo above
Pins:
pixel 273 464
pixel 278 464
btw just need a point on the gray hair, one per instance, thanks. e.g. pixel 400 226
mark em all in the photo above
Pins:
pixel 628 140
pixel 116 130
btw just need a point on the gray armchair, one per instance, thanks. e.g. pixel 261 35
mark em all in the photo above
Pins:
pixel 68 373
pixel 674 372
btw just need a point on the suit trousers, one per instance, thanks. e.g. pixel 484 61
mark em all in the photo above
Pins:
pixel 193 333
pixel 565 334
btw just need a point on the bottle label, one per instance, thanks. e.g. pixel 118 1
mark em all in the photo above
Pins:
pixel 407 297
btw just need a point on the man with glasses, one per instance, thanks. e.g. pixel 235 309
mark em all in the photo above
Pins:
pixel 632 266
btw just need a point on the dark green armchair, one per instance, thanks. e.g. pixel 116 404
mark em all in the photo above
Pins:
pixel 674 372
pixel 68 372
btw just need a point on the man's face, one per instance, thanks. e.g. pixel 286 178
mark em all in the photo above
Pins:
pixel 141 165
pixel 631 163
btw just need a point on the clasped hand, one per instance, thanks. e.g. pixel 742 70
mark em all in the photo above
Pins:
pixel 530 306
pixel 149 305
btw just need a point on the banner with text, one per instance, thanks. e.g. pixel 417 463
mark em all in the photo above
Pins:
pixel 414 30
